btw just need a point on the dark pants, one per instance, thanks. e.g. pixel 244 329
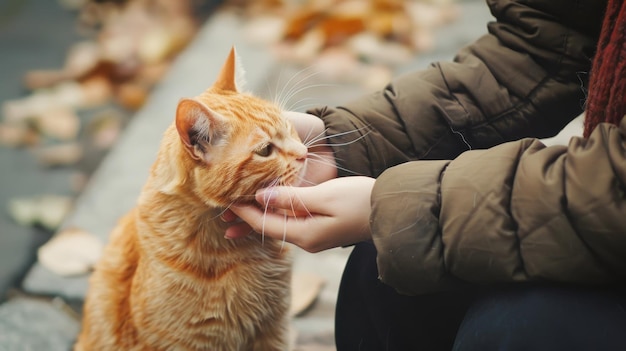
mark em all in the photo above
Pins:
pixel 372 316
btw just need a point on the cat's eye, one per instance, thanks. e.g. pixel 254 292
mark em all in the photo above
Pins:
pixel 265 150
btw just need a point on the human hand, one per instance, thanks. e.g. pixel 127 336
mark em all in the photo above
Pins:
pixel 331 214
pixel 321 165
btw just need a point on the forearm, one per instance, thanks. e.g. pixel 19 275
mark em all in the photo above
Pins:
pixel 517 212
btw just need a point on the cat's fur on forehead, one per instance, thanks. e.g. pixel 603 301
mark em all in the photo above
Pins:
pixel 205 116
pixel 224 108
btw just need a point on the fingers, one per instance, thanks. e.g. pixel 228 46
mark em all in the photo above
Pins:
pixel 300 201
pixel 272 225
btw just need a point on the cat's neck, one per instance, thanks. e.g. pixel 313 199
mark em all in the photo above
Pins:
pixel 188 237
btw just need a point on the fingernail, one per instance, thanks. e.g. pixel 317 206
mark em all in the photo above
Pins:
pixel 228 235
pixel 228 216
pixel 268 195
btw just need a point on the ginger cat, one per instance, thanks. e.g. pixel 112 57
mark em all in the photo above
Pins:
pixel 168 279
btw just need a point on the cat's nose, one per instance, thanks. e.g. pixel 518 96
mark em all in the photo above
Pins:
pixel 301 157
pixel 301 153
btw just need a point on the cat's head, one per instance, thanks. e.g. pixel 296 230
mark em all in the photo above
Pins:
pixel 234 143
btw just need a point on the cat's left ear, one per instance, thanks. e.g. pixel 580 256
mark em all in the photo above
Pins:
pixel 231 76
pixel 199 128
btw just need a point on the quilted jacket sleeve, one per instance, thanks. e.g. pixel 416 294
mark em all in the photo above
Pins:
pixel 523 79
pixel 519 211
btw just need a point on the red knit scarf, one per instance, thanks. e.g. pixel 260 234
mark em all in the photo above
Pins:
pixel 607 86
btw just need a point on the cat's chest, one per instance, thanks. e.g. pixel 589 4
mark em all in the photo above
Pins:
pixel 180 303
pixel 210 286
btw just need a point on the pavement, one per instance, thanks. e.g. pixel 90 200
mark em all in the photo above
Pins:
pixel 114 187
pixel 33 34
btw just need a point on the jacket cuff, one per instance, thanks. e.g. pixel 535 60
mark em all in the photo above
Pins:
pixel 405 228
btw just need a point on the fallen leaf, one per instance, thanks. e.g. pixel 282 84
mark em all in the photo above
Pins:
pixel 60 155
pixel 61 123
pixel 17 134
pixel 305 287
pixel 49 211
pixel 71 252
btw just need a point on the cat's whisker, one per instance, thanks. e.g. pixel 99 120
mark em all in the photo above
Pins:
pixel 276 93
pixel 322 136
pixel 265 209
pixel 308 141
pixel 271 187
pixel 366 129
pixel 282 244
pixel 300 90
pixel 308 213
pixel 274 183
pixel 325 159
pixel 221 212
pixel 305 181
pixel 323 156
pixel 295 106
pixel 307 136
pixel 286 85
pixel 281 98
pixel 320 153
pixel 286 96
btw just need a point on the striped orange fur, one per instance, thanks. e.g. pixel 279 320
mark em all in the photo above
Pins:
pixel 168 279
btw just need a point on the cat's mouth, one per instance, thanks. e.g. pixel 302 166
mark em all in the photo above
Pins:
pixel 300 175
pixel 297 176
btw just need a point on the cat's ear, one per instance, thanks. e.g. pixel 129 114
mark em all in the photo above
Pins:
pixel 231 76
pixel 199 128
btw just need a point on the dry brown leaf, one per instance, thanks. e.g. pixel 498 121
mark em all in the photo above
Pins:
pixel 338 64
pixel 265 29
pixel 17 134
pixel 71 252
pixel 60 123
pixel 81 58
pixel 304 50
pixel 149 75
pixel 43 78
pixel 132 95
pixel 64 95
pixel 305 287
pixel 60 155
pixel 163 42
pixel 105 128
pixel 49 211
pixel 95 91
pixel 375 50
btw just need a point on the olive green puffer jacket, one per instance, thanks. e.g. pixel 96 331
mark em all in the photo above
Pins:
pixel 517 211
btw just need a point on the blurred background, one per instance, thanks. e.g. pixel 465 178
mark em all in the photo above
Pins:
pixel 87 88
